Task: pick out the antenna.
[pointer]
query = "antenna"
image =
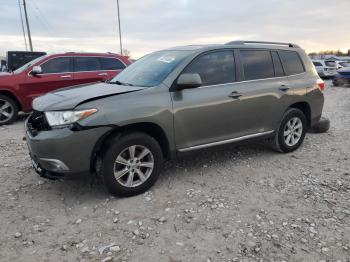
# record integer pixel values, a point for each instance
(22, 25)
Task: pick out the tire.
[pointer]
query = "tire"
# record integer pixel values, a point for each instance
(322, 126)
(131, 183)
(8, 110)
(338, 83)
(281, 143)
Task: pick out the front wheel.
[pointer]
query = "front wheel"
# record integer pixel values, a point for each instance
(8, 110)
(131, 164)
(291, 132)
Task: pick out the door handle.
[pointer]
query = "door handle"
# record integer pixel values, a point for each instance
(102, 74)
(235, 94)
(284, 87)
(66, 76)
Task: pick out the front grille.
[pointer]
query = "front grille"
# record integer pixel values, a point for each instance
(37, 122)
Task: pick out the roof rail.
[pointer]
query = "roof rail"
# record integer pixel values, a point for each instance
(241, 42)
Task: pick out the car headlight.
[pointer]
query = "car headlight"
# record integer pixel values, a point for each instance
(63, 118)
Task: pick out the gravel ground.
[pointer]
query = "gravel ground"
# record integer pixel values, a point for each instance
(243, 203)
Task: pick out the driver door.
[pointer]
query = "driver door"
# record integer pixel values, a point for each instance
(56, 73)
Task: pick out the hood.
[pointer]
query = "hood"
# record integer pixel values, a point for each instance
(70, 97)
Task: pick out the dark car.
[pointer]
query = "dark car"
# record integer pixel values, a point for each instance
(171, 102)
(342, 77)
(50, 72)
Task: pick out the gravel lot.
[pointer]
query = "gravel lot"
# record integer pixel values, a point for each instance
(243, 203)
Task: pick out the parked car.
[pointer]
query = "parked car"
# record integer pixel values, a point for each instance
(341, 64)
(50, 72)
(342, 77)
(325, 68)
(171, 102)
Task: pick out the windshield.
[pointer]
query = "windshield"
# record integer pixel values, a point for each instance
(27, 65)
(151, 69)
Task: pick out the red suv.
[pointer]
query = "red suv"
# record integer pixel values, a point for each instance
(50, 72)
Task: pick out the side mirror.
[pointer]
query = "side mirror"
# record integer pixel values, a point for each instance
(189, 81)
(36, 70)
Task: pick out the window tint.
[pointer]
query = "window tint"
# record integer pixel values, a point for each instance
(214, 68)
(277, 64)
(317, 63)
(257, 64)
(57, 65)
(111, 64)
(87, 64)
(291, 62)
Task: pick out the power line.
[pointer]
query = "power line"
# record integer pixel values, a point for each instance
(22, 25)
(41, 16)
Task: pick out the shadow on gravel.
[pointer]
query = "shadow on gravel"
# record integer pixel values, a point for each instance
(86, 187)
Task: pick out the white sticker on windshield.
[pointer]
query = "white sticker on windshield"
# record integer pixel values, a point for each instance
(166, 59)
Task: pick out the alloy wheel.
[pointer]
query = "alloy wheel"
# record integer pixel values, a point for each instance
(293, 131)
(133, 166)
(6, 111)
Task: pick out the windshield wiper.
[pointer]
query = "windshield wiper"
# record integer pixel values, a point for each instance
(121, 83)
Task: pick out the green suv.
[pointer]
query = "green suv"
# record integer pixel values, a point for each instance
(175, 101)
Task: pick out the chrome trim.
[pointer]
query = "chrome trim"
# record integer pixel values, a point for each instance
(247, 81)
(237, 139)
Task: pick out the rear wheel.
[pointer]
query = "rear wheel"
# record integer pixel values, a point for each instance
(131, 164)
(8, 110)
(291, 132)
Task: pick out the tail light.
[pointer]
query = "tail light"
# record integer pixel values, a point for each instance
(320, 84)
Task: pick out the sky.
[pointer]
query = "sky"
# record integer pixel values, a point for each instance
(150, 25)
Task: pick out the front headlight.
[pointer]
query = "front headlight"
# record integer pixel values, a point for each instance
(63, 118)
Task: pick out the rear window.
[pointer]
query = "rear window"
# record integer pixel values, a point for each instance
(291, 62)
(257, 64)
(87, 64)
(109, 63)
(330, 63)
(317, 63)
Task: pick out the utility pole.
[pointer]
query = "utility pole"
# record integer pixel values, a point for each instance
(120, 32)
(22, 25)
(27, 22)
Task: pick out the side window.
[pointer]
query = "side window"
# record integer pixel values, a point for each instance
(111, 63)
(257, 64)
(57, 65)
(277, 64)
(87, 64)
(214, 68)
(317, 63)
(291, 62)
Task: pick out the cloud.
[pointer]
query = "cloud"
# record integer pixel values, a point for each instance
(149, 25)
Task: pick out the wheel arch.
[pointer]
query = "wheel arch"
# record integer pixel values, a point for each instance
(305, 108)
(152, 129)
(12, 96)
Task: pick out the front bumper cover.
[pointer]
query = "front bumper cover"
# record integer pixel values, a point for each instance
(63, 150)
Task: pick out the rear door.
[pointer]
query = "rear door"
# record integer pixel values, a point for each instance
(112, 66)
(264, 87)
(88, 70)
(56, 73)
